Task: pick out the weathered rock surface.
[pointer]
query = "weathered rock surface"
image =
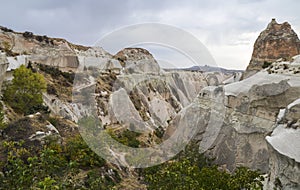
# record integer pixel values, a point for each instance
(285, 149)
(157, 98)
(275, 42)
(137, 60)
(67, 56)
(98, 58)
(3, 67)
(128, 116)
(251, 108)
(40, 49)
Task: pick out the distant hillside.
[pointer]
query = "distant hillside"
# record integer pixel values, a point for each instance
(207, 68)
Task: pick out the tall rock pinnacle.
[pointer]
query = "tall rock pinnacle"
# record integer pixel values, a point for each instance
(275, 42)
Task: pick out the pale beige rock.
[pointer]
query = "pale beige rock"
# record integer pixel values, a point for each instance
(252, 106)
(137, 60)
(3, 67)
(284, 149)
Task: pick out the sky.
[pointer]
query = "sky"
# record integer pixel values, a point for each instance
(228, 29)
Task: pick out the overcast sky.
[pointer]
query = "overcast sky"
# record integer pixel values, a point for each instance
(227, 28)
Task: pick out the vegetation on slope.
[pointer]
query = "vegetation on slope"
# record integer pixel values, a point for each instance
(192, 170)
(55, 166)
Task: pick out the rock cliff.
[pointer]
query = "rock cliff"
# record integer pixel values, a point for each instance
(249, 111)
(40, 49)
(284, 149)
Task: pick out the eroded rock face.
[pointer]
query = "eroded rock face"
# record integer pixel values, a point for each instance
(97, 57)
(252, 106)
(40, 49)
(275, 42)
(128, 115)
(137, 60)
(285, 150)
(154, 100)
(3, 67)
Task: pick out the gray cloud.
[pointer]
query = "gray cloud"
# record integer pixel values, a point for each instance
(228, 26)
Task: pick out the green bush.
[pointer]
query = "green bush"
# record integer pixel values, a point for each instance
(24, 93)
(192, 170)
(126, 137)
(48, 183)
(49, 167)
(95, 181)
(78, 151)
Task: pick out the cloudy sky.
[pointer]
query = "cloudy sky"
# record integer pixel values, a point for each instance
(227, 28)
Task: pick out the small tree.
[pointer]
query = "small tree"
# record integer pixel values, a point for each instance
(24, 93)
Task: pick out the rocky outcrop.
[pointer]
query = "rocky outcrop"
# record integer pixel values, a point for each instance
(285, 149)
(137, 60)
(97, 57)
(275, 42)
(40, 49)
(251, 108)
(150, 100)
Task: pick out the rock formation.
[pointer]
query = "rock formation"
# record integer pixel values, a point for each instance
(40, 49)
(275, 42)
(261, 121)
(285, 150)
(250, 109)
(137, 60)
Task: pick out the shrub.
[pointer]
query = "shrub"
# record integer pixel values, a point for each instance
(56, 73)
(266, 64)
(24, 93)
(28, 34)
(49, 167)
(6, 29)
(159, 132)
(96, 180)
(285, 66)
(51, 89)
(126, 137)
(77, 150)
(192, 170)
